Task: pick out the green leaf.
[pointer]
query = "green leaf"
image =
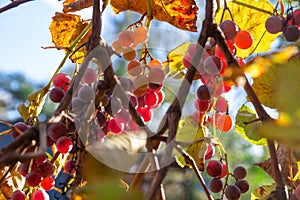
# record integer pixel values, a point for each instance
(175, 58)
(189, 132)
(248, 131)
(286, 128)
(263, 192)
(36, 102)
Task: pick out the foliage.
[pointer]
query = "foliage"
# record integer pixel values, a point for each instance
(100, 131)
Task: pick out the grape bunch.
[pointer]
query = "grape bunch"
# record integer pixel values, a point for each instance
(218, 170)
(61, 82)
(289, 26)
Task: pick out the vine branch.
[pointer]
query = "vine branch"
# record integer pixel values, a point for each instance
(13, 4)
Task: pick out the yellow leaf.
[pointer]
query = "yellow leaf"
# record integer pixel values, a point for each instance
(265, 71)
(64, 29)
(175, 57)
(286, 99)
(35, 105)
(13, 181)
(189, 132)
(180, 13)
(251, 16)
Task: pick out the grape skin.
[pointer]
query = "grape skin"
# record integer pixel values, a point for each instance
(89, 76)
(156, 75)
(243, 185)
(203, 93)
(232, 192)
(215, 185)
(291, 34)
(18, 195)
(214, 168)
(86, 94)
(229, 29)
(239, 172)
(274, 24)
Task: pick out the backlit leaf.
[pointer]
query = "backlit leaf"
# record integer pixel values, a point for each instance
(35, 105)
(65, 28)
(286, 98)
(248, 131)
(265, 71)
(180, 13)
(13, 181)
(175, 57)
(189, 132)
(251, 16)
(263, 192)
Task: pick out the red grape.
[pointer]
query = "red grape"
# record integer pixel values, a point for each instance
(145, 113)
(274, 24)
(215, 185)
(70, 167)
(134, 68)
(56, 130)
(117, 47)
(232, 192)
(198, 117)
(243, 185)
(203, 93)
(210, 151)
(18, 128)
(46, 169)
(221, 105)
(61, 80)
(56, 94)
(224, 170)
(86, 94)
(239, 172)
(101, 117)
(89, 76)
(212, 65)
(140, 34)
(64, 144)
(155, 63)
(47, 183)
(202, 106)
(296, 16)
(229, 29)
(151, 98)
(156, 75)
(129, 53)
(186, 60)
(243, 39)
(291, 33)
(123, 116)
(224, 122)
(115, 126)
(40, 160)
(18, 195)
(214, 168)
(33, 179)
(126, 38)
(40, 195)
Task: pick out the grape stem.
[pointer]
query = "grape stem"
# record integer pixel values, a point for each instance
(192, 162)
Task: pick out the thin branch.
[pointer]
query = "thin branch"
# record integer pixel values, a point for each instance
(13, 4)
(192, 162)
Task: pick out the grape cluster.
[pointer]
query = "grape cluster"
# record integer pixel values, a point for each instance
(289, 26)
(210, 106)
(61, 82)
(218, 170)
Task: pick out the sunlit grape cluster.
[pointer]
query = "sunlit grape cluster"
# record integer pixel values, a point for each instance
(289, 25)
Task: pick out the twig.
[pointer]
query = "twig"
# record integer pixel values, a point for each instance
(13, 4)
(192, 162)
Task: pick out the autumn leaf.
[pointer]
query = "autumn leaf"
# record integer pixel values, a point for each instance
(174, 59)
(248, 131)
(265, 72)
(65, 28)
(251, 16)
(189, 132)
(263, 192)
(286, 98)
(35, 105)
(180, 13)
(13, 181)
